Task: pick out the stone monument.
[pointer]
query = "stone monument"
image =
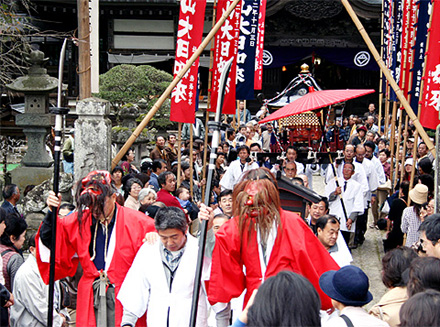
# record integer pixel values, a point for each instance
(92, 137)
(35, 121)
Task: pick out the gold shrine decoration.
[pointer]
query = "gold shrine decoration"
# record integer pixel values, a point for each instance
(308, 119)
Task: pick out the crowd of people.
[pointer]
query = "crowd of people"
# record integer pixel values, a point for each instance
(126, 250)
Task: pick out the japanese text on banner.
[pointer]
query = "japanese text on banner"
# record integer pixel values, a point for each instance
(189, 37)
(225, 48)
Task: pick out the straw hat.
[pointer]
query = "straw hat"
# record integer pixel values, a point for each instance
(419, 194)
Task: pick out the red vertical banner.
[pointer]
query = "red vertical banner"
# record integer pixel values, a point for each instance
(189, 37)
(430, 101)
(258, 78)
(225, 48)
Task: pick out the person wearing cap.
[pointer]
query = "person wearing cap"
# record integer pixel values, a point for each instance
(348, 290)
(360, 137)
(101, 235)
(411, 219)
(68, 148)
(409, 146)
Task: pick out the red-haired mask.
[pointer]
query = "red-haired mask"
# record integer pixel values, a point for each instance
(96, 176)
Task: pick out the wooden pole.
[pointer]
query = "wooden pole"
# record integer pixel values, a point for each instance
(191, 160)
(84, 65)
(179, 155)
(170, 87)
(387, 110)
(389, 77)
(211, 63)
(396, 167)
(405, 139)
(393, 140)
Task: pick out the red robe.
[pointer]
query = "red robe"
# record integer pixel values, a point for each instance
(131, 227)
(296, 249)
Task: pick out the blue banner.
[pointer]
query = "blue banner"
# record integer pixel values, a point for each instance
(386, 40)
(358, 58)
(247, 44)
(397, 48)
(419, 53)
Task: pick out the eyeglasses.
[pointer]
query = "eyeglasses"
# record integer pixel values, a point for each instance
(423, 242)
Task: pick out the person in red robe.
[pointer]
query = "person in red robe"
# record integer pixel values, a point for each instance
(265, 240)
(104, 238)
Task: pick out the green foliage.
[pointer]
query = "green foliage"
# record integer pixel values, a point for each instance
(129, 83)
(161, 120)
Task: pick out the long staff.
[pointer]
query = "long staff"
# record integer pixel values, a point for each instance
(170, 87)
(212, 158)
(56, 174)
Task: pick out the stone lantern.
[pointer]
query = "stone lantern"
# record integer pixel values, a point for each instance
(36, 120)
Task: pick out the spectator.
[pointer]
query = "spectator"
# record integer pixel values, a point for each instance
(117, 174)
(425, 166)
(430, 235)
(147, 196)
(243, 116)
(167, 182)
(395, 236)
(127, 163)
(423, 275)
(171, 150)
(287, 299)
(237, 168)
(6, 297)
(31, 296)
(158, 151)
(198, 130)
(68, 153)
(411, 216)
(224, 203)
(348, 289)
(422, 309)
(158, 167)
(11, 243)
(360, 137)
(132, 189)
(11, 194)
(394, 264)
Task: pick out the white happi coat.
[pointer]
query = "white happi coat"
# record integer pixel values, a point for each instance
(234, 173)
(353, 201)
(359, 175)
(145, 288)
(372, 178)
(379, 170)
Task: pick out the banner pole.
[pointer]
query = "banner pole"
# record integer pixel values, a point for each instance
(170, 87)
(393, 141)
(211, 63)
(179, 155)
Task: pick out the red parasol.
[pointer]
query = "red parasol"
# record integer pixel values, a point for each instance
(315, 100)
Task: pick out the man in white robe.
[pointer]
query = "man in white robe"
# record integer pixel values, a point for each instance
(328, 233)
(161, 279)
(359, 175)
(352, 196)
(237, 168)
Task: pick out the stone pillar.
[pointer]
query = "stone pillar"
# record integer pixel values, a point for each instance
(92, 137)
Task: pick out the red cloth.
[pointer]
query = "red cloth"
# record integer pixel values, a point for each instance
(131, 227)
(168, 199)
(296, 249)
